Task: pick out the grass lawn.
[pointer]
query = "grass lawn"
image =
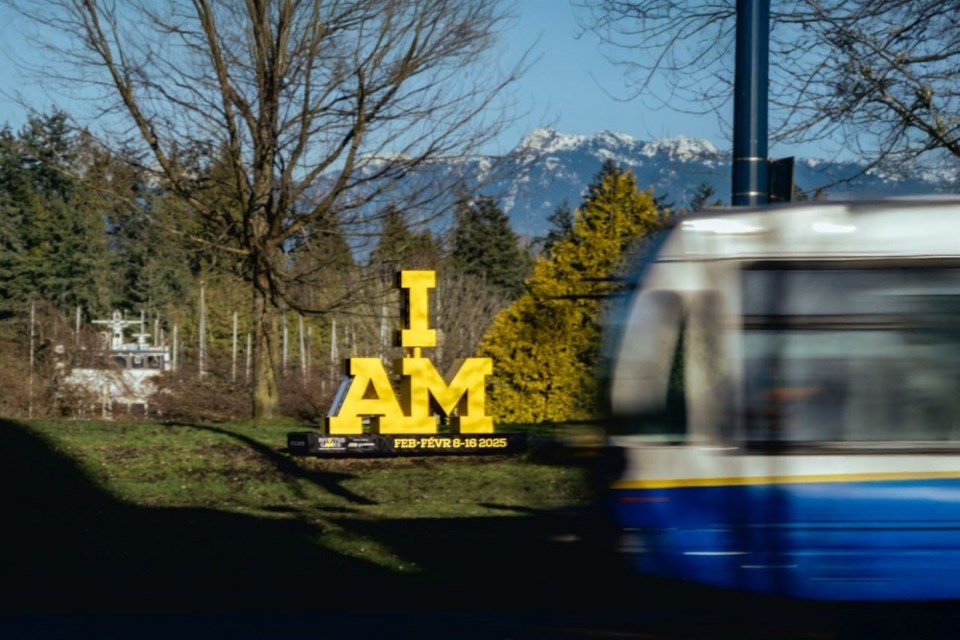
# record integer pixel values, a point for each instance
(203, 530)
(239, 467)
(198, 515)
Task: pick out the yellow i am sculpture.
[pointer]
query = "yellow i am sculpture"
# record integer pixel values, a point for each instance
(368, 391)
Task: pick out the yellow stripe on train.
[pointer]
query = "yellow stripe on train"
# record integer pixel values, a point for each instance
(677, 483)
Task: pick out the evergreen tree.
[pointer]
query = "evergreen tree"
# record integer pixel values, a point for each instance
(51, 227)
(545, 346)
(49, 151)
(393, 244)
(702, 198)
(398, 248)
(561, 225)
(484, 245)
(15, 193)
(11, 256)
(155, 254)
(323, 107)
(322, 262)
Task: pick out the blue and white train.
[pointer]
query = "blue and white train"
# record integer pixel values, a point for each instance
(784, 394)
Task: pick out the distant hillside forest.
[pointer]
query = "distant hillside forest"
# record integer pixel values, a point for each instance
(88, 230)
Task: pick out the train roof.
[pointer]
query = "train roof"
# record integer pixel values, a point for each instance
(894, 227)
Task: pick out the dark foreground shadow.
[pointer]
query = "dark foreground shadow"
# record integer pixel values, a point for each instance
(76, 562)
(67, 546)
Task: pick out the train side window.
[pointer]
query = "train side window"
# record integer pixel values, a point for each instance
(672, 421)
(647, 386)
(853, 355)
(710, 393)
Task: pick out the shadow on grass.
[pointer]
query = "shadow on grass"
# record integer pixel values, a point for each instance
(326, 480)
(70, 547)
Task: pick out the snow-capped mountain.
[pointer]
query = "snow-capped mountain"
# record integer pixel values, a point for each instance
(553, 168)
(548, 168)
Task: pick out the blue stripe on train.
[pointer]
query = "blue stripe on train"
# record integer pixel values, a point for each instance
(871, 540)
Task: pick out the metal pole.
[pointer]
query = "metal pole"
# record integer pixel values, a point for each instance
(334, 354)
(285, 347)
(33, 318)
(203, 332)
(383, 332)
(303, 350)
(249, 355)
(233, 360)
(333, 342)
(751, 81)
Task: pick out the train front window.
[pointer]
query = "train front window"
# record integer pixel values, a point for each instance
(851, 354)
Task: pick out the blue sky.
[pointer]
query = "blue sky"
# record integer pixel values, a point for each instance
(573, 88)
(570, 86)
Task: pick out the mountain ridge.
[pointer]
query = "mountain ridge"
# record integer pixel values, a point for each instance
(548, 168)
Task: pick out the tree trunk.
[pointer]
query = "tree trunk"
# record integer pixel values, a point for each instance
(265, 394)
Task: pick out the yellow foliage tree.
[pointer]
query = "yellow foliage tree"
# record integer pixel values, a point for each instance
(545, 346)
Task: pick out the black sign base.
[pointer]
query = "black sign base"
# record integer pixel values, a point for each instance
(316, 444)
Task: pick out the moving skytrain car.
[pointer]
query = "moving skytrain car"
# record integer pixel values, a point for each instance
(784, 395)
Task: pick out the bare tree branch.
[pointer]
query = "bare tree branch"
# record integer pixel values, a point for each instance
(880, 76)
(311, 109)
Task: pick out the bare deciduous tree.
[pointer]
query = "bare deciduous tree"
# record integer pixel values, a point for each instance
(883, 76)
(309, 109)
